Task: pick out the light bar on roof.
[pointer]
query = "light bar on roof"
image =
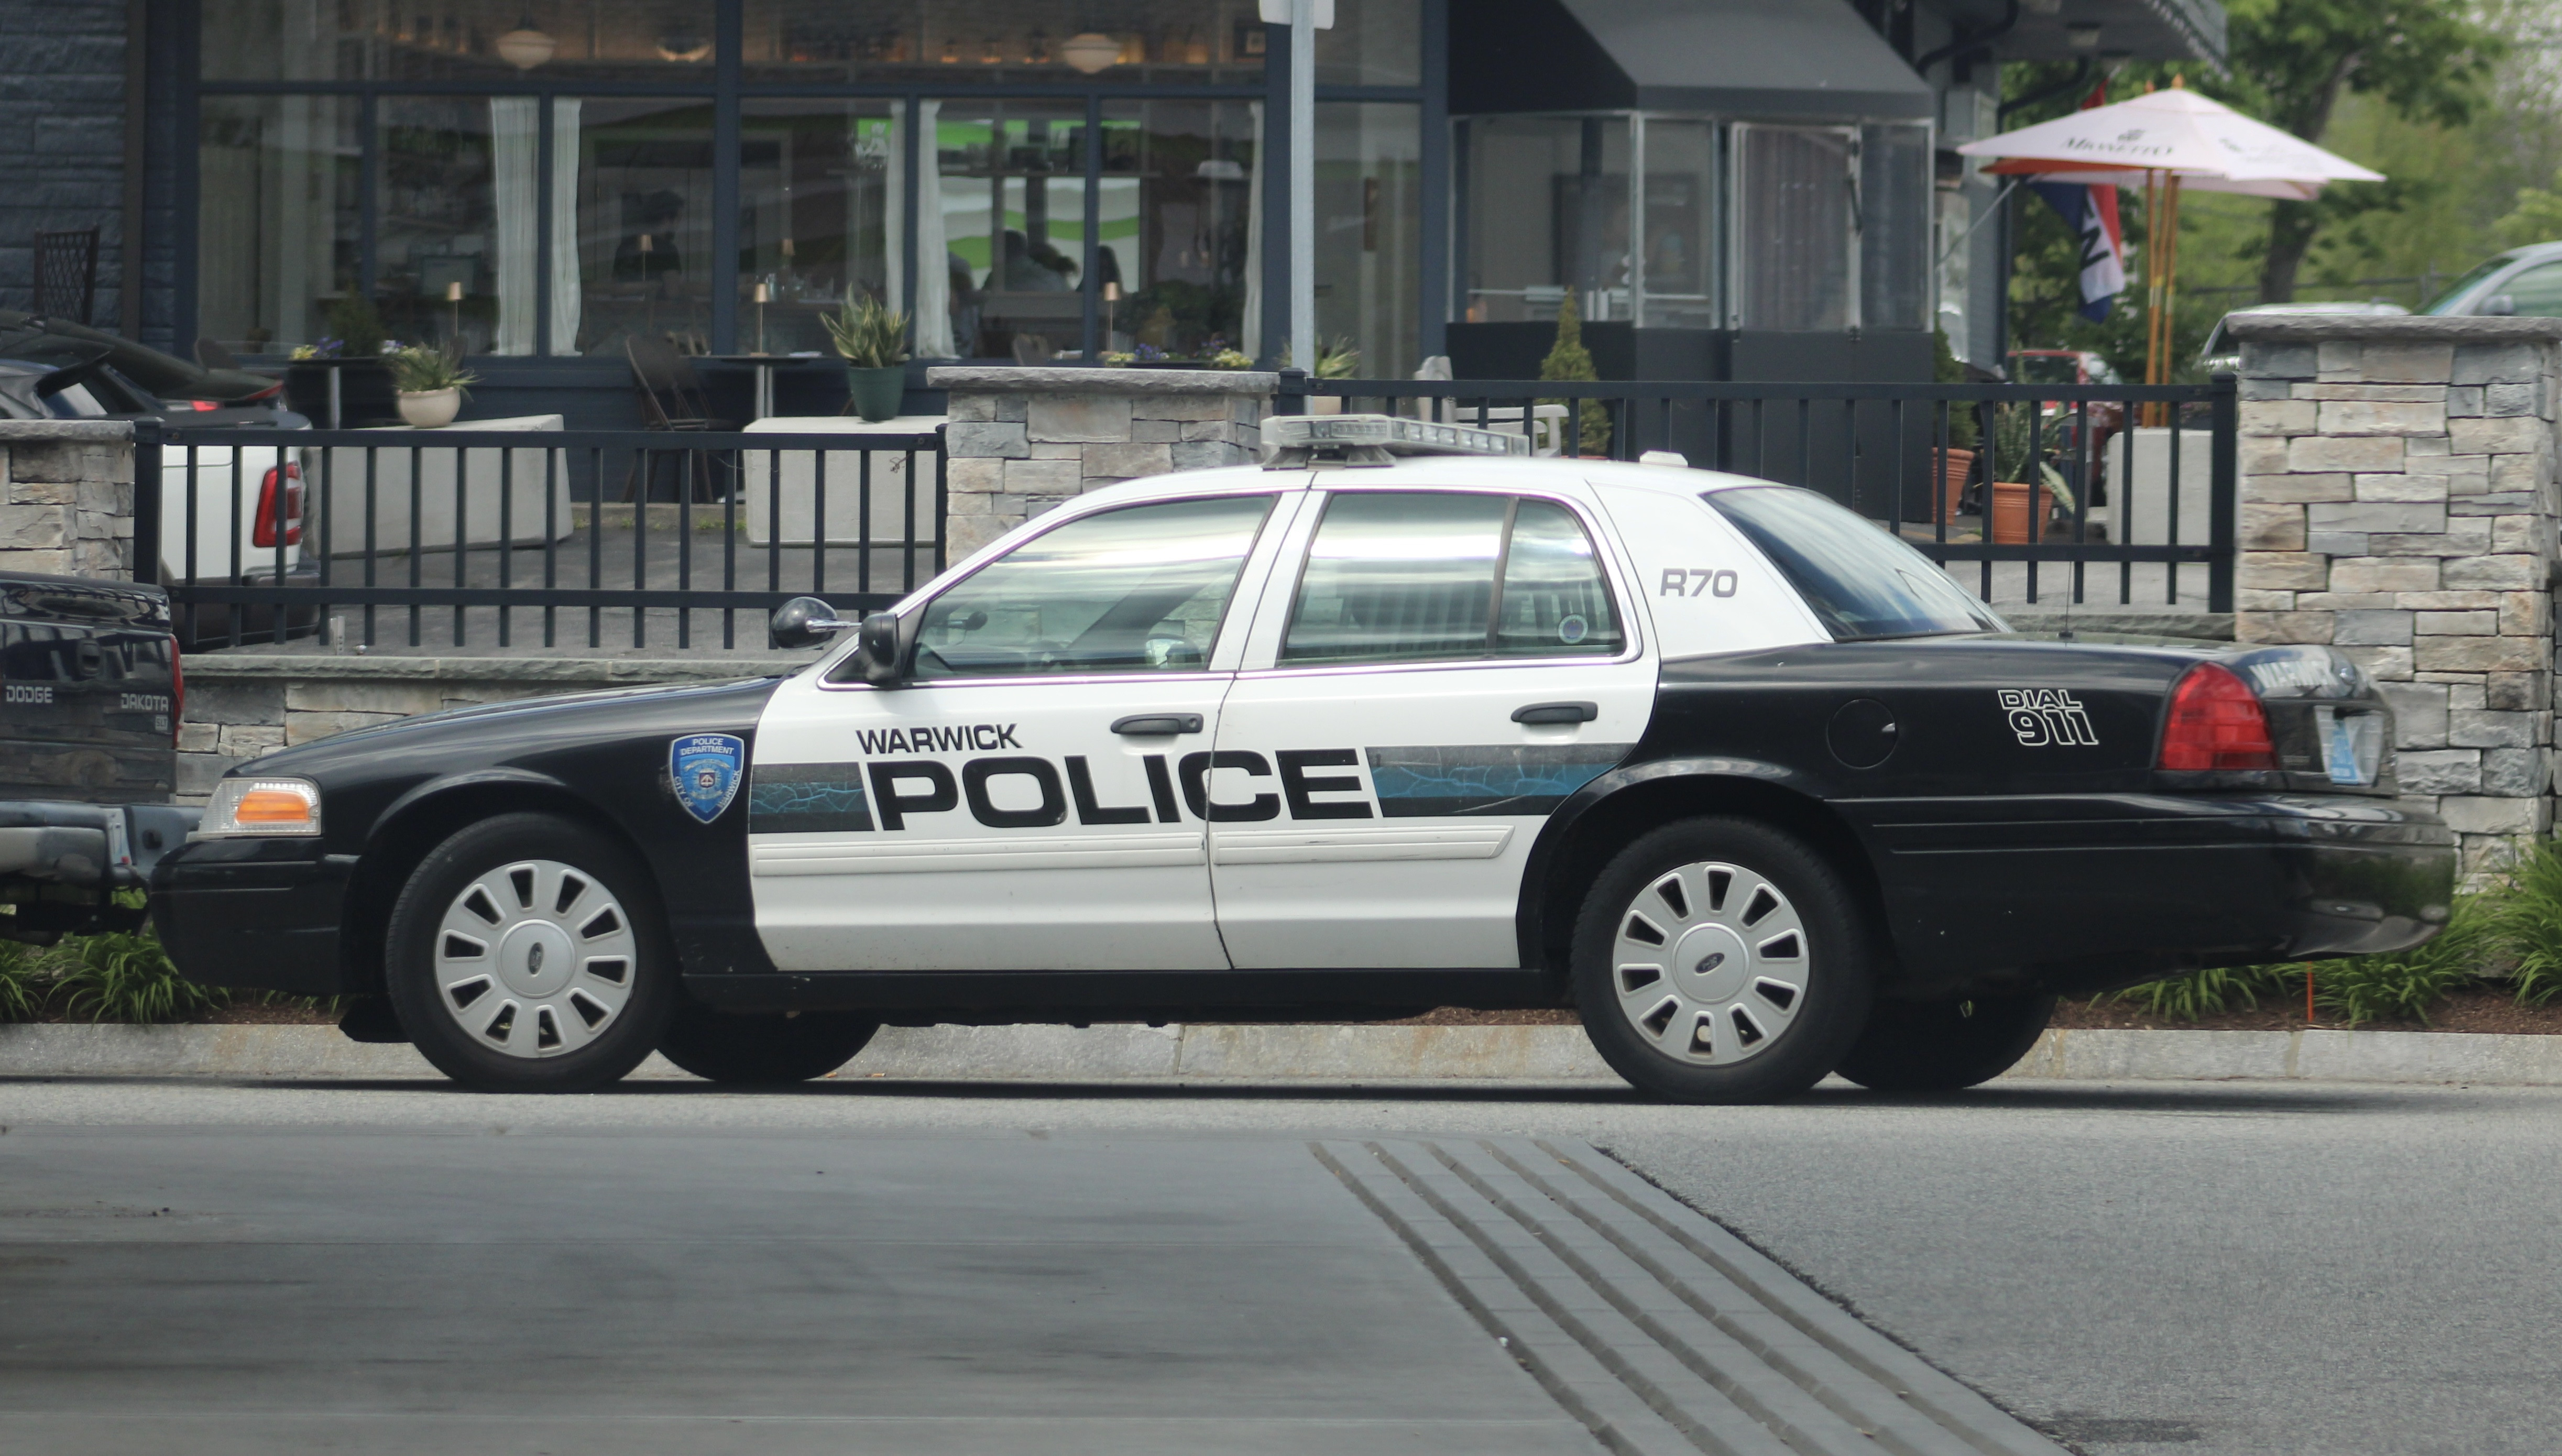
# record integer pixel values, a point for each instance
(1387, 432)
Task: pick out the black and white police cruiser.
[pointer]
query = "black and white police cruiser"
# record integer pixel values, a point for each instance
(1397, 720)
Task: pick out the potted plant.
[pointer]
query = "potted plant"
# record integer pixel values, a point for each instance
(1337, 358)
(2019, 509)
(1569, 360)
(871, 337)
(431, 383)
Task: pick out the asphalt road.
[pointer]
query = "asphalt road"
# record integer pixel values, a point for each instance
(2189, 1269)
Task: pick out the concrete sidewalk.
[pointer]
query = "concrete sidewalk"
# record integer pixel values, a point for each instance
(1316, 1053)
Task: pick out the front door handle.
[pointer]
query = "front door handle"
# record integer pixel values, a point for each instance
(1158, 725)
(1557, 713)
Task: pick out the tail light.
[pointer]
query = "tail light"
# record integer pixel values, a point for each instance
(177, 690)
(2215, 722)
(201, 406)
(263, 532)
(269, 393)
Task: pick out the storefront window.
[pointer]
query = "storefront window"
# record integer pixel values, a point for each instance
(1896, 205)
(1010, 231)
(1546, 210)
(645, 224)
(1794, 189)
(1679, 283)
(1370, 243)
(814, 211)
(920, 42)
(456, 40)
(278, 232)
(1178, 206)
(438, 220)
(1372, 43)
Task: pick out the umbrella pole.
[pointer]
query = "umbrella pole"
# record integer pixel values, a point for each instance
(2153, 287)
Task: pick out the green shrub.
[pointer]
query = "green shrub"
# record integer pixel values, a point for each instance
(2201, 993)
(2404, 985)
(1568, 361)
(125, 977)
(24, 983)
(2530, 924)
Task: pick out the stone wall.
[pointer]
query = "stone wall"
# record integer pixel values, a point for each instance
(242, 705)
(67, 497)
(2398, 501)
(1021, 441)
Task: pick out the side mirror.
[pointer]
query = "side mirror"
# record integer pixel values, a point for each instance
(2497, 306)
(802, 621)
(883, 653)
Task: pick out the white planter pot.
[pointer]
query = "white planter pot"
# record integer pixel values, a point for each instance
(431, 409)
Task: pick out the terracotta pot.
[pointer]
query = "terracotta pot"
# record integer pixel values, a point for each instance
(2012, 513)
(431, 409)
(1956, 473)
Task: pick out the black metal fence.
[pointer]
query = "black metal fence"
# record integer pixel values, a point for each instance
(2109, 512)
(466, 537)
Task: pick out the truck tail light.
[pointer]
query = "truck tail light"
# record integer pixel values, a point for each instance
(262, 531)
(2215, 722)
(177, 690)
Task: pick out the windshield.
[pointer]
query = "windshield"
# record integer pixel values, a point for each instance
(2446, 301)
(1861, 582)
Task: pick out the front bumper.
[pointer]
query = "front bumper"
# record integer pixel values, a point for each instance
(258, 914)
(2086, 893)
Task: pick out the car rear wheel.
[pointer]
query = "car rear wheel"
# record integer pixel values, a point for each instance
(1721, 960)
(762, 1051)
(519, 959)
(1942, 1045)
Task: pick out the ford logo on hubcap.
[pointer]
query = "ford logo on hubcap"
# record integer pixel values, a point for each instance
(534, 959)
(1715, 959)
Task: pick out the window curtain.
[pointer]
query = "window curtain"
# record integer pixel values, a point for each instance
(1252, 329)
(930, 299)
(515, 139)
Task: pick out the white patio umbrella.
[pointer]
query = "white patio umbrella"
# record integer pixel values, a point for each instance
(2167, 140)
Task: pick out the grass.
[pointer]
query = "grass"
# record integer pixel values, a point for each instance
(111, 978)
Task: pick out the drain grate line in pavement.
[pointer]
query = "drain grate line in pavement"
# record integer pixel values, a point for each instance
(1811, 1408)
(1776, 1300)
(1579, 1383)
(1596, 1278)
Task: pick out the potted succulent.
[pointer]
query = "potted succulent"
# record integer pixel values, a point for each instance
(871, 337)
(2018, 510)
(430, 382)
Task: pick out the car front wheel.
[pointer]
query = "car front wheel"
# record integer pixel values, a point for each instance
(1721, 960)
(522, 957)
(1942, 1045)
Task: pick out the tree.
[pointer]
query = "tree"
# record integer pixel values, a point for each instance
(2294, 60)
(1568, 361)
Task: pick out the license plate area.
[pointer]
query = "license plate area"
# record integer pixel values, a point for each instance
(2353, 745)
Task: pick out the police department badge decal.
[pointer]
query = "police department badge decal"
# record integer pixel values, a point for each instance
(706, 769)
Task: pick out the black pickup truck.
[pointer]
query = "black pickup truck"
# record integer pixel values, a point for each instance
(90, 691)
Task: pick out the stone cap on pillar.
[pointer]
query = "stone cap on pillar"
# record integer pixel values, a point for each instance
(2312, 328)
(1033, 379)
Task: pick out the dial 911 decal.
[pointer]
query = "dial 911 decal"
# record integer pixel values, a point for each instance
(2046, 717)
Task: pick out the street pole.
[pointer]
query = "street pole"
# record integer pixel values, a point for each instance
(1302, 185)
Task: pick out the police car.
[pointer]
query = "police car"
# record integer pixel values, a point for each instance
(1398, 720)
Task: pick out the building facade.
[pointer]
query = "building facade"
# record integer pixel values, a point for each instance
(1749, 189)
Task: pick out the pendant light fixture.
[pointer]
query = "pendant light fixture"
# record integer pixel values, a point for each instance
(1090, 53)
(525, 47)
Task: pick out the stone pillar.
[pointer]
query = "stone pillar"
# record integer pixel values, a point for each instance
(1022, 439)
(2398, 501)
(67, 504)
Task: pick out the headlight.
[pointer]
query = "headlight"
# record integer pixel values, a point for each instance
(262, 806)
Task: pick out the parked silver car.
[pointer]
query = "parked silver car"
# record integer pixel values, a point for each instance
(2524, 283)
(2222, 356)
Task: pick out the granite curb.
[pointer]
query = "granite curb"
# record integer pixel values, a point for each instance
(1246, 1053)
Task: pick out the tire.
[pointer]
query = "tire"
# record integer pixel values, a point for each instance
(503, 953)
(1722, 961)
(1940, 1046)
(764, 1050)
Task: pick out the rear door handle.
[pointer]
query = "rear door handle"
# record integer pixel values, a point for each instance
(1158, 725)
(1557, 713)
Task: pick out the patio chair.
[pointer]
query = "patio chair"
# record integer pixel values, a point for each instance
(671, 398)
(67, 274)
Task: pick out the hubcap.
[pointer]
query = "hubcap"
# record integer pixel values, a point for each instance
(534, 959)
(1710, 963)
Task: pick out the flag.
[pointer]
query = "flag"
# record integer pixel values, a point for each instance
(2092, 214)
